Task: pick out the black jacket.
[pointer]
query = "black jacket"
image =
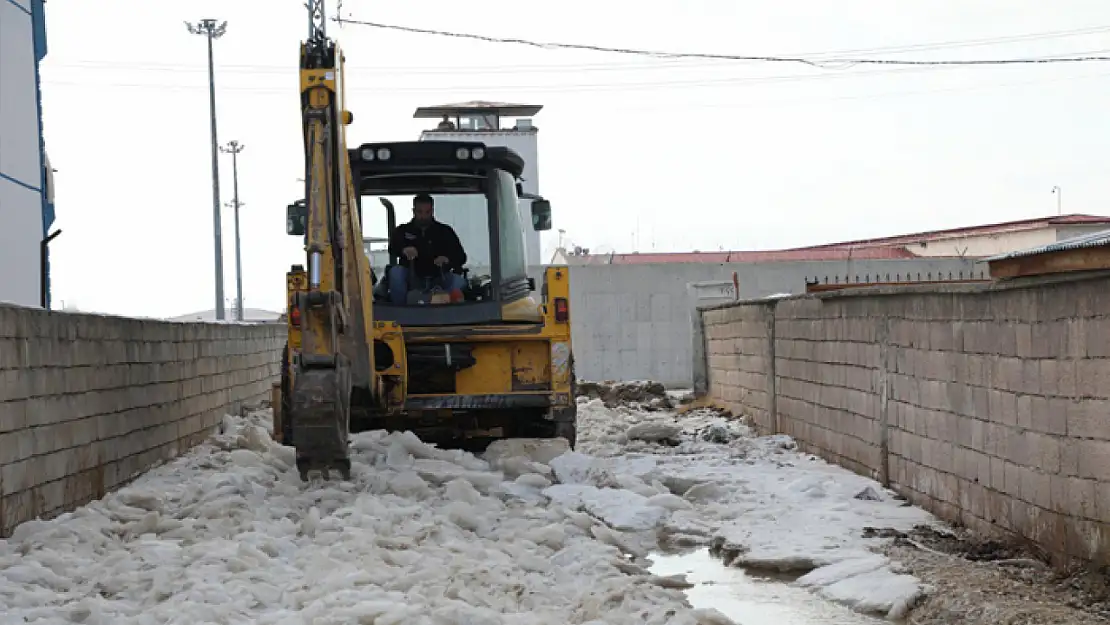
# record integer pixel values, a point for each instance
(434, 240)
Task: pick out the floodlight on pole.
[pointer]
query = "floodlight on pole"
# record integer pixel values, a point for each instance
(211, 31)
(234, 148)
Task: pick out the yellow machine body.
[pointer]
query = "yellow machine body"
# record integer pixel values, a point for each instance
(519, 370)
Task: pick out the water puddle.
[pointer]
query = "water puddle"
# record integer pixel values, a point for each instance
(751, 600)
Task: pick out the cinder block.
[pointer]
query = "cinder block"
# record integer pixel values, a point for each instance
(1102, 501)
(1036, 487)
(1003, 407)
(16, 477)
(16, 445)
(982, 463)
(1026, 519)
(1049, 340)
(1088, 418)
(1075, 497)
(1094, 459)
(1092, 378)
(1050, 415)
(1069, 457)
(1044, 451)
(998, 509)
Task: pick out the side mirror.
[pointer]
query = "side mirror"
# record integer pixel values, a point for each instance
(296, 218)
(386, 203)
(541, 215)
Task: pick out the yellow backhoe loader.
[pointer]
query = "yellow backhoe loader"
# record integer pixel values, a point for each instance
(492, 363)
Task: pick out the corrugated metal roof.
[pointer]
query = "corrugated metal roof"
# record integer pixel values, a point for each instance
(1091, 239)
(985, 229)
(766, 256)
(884, 248)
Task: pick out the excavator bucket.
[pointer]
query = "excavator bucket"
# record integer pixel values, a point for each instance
(321, 400)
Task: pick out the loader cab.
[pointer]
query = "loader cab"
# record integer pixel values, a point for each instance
(476, 190)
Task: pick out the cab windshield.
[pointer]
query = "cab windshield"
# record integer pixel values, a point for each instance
(487, 221)
(467, 214)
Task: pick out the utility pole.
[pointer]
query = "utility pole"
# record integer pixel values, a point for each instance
(1059, 193)
(211, 31)
(234, 148)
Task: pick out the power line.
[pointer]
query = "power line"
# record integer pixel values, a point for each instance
(504, 70)
(386, 90)
(590, 87)
(650, 63)
(609, 85)
(824, 63)
(661, 64)
(638, 85)
(965, 43)
(390, 92)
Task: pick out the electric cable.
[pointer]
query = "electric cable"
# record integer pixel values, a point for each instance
(813, 61)
(651, 64)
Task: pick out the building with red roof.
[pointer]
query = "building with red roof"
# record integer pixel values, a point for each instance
(966, 242)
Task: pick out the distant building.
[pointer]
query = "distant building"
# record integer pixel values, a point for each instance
(1088, 252)
(26, 181)
(971, 242)
(985, 240)
(250, 315)
(494, 124)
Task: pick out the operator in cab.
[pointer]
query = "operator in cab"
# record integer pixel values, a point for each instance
(429, 247)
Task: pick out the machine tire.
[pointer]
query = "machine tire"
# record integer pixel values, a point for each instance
(568, 430)
(573, 381)
(566, 423)
(286, 400)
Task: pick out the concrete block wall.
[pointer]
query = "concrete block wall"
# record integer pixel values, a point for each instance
(989, 406)
(89, 402)
(740, 361)
(827, 362)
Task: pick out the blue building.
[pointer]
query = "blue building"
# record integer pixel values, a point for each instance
(26, 183)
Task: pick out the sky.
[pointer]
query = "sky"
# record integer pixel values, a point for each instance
(636, 153)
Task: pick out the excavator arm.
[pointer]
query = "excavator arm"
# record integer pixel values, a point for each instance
(334, 309)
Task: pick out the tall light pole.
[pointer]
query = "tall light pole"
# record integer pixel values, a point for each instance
(234, 148)
(211, 30)
(1059, 193)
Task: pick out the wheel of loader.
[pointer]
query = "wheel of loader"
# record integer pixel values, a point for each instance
(286, 406)
(567, 430)
(563, 424)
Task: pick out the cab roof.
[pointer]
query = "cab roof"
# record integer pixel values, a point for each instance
(434, 156)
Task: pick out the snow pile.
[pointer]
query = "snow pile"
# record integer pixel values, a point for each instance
(420, 536)
(868, 584)
(756, 501)
(530, 533)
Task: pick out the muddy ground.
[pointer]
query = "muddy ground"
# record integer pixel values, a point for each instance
(972, 580)
(648, 396)
(985, 582)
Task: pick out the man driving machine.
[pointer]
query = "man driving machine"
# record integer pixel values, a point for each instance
(429, 247)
